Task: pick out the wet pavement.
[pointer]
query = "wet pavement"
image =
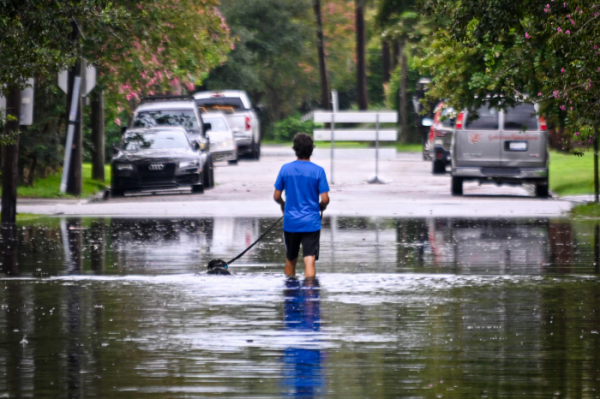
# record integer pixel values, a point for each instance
(246, 190)
(420, 308)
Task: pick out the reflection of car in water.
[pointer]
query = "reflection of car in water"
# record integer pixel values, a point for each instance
(491, 245)
(303, 363)
(232, 235)
(158, 245)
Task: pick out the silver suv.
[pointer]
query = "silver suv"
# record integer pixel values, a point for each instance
(500, 147)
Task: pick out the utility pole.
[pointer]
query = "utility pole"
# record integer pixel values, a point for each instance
(10, 157)
(97, 105)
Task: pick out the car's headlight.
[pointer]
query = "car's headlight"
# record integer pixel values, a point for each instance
(125, 166)
(188, 164)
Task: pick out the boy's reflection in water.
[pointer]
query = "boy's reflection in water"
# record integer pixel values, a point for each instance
(303, 370)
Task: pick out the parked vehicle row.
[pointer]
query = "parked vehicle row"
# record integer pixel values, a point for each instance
(502, 147)
(174, 141)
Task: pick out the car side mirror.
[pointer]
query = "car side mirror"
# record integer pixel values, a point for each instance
(195, 145)
(115, 149)
(427, 122)
(260, 108)
(207, 126)
(123, 129)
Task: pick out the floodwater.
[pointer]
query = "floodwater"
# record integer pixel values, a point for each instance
(411, 308)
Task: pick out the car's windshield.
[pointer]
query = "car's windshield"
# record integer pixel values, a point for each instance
(217, 124)
(522, 117)
(225, 104)
(155, 140)
(184, 117)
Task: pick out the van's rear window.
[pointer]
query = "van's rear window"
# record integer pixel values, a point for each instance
(487, 120)
(220, 104)
(521, 117)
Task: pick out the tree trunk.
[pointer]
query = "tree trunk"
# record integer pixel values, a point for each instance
(403, 96)
(395, 54)
(361, 62)
(97, 105)
(325, 99)
(10, 157)
(385, 58)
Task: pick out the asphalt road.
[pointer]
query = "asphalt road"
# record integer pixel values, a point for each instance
(246, 189)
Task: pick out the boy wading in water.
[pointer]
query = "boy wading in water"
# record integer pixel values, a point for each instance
(303, 183)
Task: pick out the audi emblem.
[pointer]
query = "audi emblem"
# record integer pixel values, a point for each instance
(156, 166)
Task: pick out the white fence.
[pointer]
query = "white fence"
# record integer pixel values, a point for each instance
(376, 135)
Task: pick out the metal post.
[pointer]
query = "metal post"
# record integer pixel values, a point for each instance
(377, 146)
(376, 179)
(332, 140)
(334, 109)
(70, 133)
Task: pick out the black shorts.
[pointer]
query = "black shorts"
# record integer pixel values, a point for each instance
(309, 241)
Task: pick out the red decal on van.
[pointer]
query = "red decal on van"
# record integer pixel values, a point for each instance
(474, 138)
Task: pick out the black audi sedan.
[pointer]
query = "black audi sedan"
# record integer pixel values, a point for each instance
(157, 159)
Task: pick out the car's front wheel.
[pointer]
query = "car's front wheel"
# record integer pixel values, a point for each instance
(197, 189)
(208, 175)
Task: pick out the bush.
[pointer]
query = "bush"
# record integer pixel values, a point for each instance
(286, 129)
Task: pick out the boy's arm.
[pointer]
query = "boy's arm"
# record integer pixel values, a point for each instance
(277, 197)
(324, 201)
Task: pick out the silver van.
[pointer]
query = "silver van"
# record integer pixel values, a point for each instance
(500, 147)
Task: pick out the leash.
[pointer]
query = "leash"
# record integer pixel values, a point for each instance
(254, 243)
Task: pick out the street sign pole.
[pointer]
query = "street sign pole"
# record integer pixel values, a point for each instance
(70, 133)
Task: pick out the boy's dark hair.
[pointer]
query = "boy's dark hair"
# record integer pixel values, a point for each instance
(303, 145)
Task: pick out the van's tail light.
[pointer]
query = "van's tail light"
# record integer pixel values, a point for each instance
(542, 124)
(248, 123)
(431, 134)
(459, 120)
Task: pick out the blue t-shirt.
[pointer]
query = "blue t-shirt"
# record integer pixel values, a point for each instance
(303, 182)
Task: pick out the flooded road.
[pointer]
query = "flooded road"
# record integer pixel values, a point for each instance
(417, 308)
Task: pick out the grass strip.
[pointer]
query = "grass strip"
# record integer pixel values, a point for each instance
(49, 187)
(571, 175)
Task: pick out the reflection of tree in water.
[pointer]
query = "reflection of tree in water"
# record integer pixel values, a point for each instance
(303, 369)
(187, 119)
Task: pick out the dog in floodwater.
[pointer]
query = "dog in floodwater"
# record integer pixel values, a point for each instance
(218, 267)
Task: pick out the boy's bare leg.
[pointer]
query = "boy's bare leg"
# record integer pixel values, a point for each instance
(290, 267)
(309, 266)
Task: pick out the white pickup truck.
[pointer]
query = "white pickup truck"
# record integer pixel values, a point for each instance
(240, 115)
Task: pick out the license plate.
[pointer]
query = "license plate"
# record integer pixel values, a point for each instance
(517, 146)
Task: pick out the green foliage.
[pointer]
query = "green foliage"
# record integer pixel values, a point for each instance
(41, 145)
(286, 129)
(270, 57)
(166, 45)
(36, 35)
